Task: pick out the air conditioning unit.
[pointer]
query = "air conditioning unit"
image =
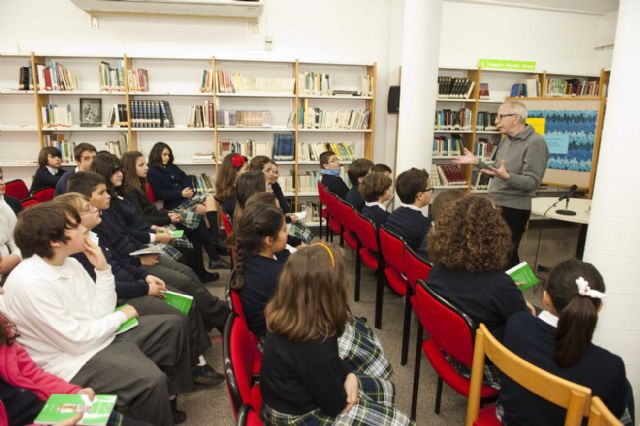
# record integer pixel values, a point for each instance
(240, 9)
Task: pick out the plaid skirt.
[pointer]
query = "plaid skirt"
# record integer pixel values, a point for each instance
(374, 408)
(491, 376)
(362, 349)
(187, 210)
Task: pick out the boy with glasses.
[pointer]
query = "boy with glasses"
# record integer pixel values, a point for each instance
(330, 170)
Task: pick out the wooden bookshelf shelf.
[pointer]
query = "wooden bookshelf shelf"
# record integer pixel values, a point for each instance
(173, 129)
(24, 128)
(557, 98)
(452, 131)
(488, 132)
(84, 129)
(308, 194)
(15, 92)
(335, 97)
(254, 129)
(179, 94)
(256, 95)
(455, 100)
(79, 93)
(336, 130)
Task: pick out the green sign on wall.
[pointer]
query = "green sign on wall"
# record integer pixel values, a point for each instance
(506, 64)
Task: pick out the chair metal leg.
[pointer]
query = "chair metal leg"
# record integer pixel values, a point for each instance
(320, 220)
(356, 287)
(379, 297)
(406, 328)
(438, 395)
(416, 373)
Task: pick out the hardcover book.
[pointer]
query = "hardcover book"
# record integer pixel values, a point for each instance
(522, 273)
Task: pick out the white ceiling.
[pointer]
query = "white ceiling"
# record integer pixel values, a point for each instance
(576, 6)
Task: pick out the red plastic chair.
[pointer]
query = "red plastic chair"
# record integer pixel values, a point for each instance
(347, 213)
(228, 230)
(17, 188)
(29, 202)
(150, 194)
(369, 255)
(46, 194)
(241, 360)
(324, 214)
(248, 417)
(416, 269)
(449, 330)
(335, 225)
(392, 247)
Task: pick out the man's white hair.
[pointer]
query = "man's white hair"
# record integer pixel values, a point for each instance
(517, 108)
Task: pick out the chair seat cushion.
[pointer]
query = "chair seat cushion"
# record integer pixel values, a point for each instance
(395, 280)
(350, 240)
(256, 398)
(448, 374)
(369, 258)
(487, 417)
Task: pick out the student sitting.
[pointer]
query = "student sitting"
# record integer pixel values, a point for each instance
(83, 153)
(232, 166)
(67, 321)
(407, 221)
(248, 184)
(143, 291)
(49, 170)
(9, 252)
(357, 171)
(382, 168)
(330, 170)
(303, 379)
(376, 190)
(559, 341)
(92, 185)
(12, 202)
(442, 201)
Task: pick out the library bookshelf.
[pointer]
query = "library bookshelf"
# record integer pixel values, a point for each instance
(185, 83)
(475, 133)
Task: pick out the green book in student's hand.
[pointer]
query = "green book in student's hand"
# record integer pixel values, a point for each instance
(178, 233)
(181, 302)
(128, 324)
(60, 407)
(522, 273)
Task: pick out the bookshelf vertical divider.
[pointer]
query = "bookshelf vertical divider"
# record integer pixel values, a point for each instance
(470, 143)
(371, 106)
(604, 82)
(216, 146)
(296, 143)
(132, 136)
(39, 99)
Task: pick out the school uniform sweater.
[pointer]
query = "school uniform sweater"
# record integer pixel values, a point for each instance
(376, 212)
(410, 224)
(335, 184)
(168, 183)
(45, 179)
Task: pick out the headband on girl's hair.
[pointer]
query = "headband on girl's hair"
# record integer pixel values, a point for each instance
(333, 264)
(237, 160)
(585, 290)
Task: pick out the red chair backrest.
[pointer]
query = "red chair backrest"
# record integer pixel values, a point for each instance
(392, 247)
(347, 213)
(240, 356)
(367, 233)
(150, 194)
(416, 267)
(248, 417)
(322, 193)
(29, 202)
(17, 188)
(449, 328)
(43, 195)
(333, 208)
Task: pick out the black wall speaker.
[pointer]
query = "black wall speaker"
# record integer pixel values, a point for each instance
(393, 100)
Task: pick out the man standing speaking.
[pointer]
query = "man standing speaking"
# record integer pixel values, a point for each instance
(518, 166)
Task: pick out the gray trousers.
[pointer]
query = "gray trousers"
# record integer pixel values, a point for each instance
(199, 340)
(143, 366)
(212, 310)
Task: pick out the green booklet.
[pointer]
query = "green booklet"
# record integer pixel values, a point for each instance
(127, 325)
(181, 302)
(61, 407)
(178, 233)
(522, 273)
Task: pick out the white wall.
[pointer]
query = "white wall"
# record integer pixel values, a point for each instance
(330, 30)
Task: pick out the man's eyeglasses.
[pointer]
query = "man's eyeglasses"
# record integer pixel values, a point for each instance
(501, 116)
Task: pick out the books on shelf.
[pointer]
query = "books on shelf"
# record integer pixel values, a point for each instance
(455, 87)
(487, 121)
(151, 114)
(572, 87)
(348, 119)
(286, 181)
(308, 180)
(529, 88)
(233, 118)
(479, 181)
(61, 407)
(111, 78)
(320, 84)
(312, 212)
(484, 91)
(228, 82)
(66, 148)
(117, 147)
(55, 77)
(201, 115)
(485, 149)
(118, 116)
(447, 175)
(447, 146)
(202, 183)
(54, 115)
(25, 79)
(281, 148)
(206, 83)
(312, 151)
(203, 157)
(447, 119)
(138, 80)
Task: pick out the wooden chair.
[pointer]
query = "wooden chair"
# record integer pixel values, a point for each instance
(573, 397)
(599, 414)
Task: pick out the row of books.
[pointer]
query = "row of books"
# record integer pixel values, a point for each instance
(485, 148)
(312, 211)
(349, 119)
(25, 79)
(572, 87)
(281, 148)
(455, 87)
(201, 115)
(447, 119)
(65, 147)
(230, 118)
(447, 175)
(118, 116)
(479, 180)
(206, 82)
(484, 91)
(228, 82)
(151, 114)
(138, 80)
(54, 115)
(486, 121)
(111, 78)
(117, 147)
(55, 77)
(308, 181)
(202, 183)
(312, 151)
(528, 88)
(320, 84)
(447, 146)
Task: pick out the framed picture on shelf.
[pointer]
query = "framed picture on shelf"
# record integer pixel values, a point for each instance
(90, 112)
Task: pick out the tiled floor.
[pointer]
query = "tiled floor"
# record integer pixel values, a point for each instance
(212, 407)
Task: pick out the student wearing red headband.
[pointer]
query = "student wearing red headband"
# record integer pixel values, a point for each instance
(233, 165)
